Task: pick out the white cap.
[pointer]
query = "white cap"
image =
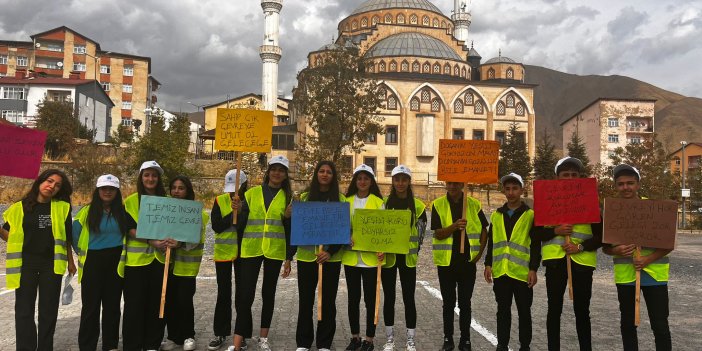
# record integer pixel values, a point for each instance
(230, 185)
(151, 164)
(401, 169)
(107, 180)
(364, 167)
(281, 160)
(514, 176)
(569, 159)
(625, 167)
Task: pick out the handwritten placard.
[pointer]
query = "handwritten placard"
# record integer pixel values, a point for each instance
(381, 230)
(166, 217)
(566, 201)
(320, 223)
(648, 223)
(468, 161)
(21, 150)
(244, 130)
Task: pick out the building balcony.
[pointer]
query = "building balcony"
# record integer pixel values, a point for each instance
(50, 71)
(49, 53)
(642, 130)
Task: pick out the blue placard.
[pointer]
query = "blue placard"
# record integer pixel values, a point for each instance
(320, 223)
(166, 217)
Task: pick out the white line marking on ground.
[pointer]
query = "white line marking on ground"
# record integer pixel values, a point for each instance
(3, 291)
(473, 323)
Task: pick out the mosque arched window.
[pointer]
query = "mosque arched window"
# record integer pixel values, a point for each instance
(510, 100)
(469, 98)
(426, 96)
(478, 108)
(415, 66)
(443, 24)
(463, 72)
(425, 21)
(371, 67)
(392, 103)
(510, 73)
(346, 27)
(456, 71)
(381, 66)
(413, 19)
(405, 66)
(375, 20)
(436, 22)
(447, 69)
(426, 68)
(500, 110)
(458, 106)
(414, 104)
(401, 19)
(491, 73)
(354, 25)
(436, 105)
(364, 22)
(393, 66)
(388, 18)
(437, 68)
(519, 110)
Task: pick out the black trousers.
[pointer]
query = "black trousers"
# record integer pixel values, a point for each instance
(408, 281)
(307, 276)
(141, 327)
(100, 286)
(505, 288)
(657, 314)
(222, 325)
(250, 268)
(39, 277)
(459, 274)
(355, 278)
(179, 311)
(556, 284)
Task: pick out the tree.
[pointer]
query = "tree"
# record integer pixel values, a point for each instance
(122, 135)
(339, 105)
(514, 156)
(545, 158)
(694, 183)
(576, 149)
(58, 119)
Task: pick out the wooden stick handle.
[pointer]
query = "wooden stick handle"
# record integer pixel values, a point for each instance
(637, 307)
(463, 216)
(165, 282)
(570, 271)
(377, 292)
(238, 172)
(319, 287)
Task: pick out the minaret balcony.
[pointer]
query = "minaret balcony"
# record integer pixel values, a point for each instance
(271, 52)
(462, 17)
(272, 5)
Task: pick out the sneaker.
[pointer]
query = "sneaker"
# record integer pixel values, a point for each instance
(448, 344)
(263, 344)
(168, 345)
(302, 349)
(410, 345)
(189, 344)
(367, 346)
(389, 346)
(464, 345)
(323, 350)
(216, 343)
(244, 346)
(354, 345)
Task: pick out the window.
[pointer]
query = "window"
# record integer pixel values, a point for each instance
(478, 108)
(3, 59)
(463, 72)
(13, 93)
(413, 19)
(469, 98)
(54, 47)
(491, 73)
(79, 49)
(283, 142)
(405, 66)
(127, 88)
(635, 140)
(105, 86)
(443, 24)
(401, 19)
(390, 135)
(390, 163)
(500, 136)
(436, 23)
(381, 67)
(414, 104)
(415, 67)
(519, 111)
(425, 21)
(79, 66)
(126, 105)
(426, 97)
(435, 105)
(105, 69)
(388, 18)
(613, 122)
(437, 69)
(458, 106)
(677, 160)
(364, 22)
(371, 138)
(13, 116)
(370, 162)
(458, 134)
(128, 70)
(427, 68)
(375, 20)
(126, 122)
(354, 25)
(500, 108)
(510, 73)
(456, 71)
(613, 138)
(510, 100)
(393, 66)
(392, 103)
(22, 61)
(447, 69)
(478, 134)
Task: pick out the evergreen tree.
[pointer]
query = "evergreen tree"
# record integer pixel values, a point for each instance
(576, 149)
(545, 158)
(514, 156)
(58, 119)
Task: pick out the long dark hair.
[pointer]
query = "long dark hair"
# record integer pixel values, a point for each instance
(353, 189)
(333, 186)
(116, 211)
(160, 191)
(286, 187)
(396, 202)
(189, 191)
(64, 194)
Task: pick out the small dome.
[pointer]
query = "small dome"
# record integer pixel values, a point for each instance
(374, 5)
(500, 59)
(332, 46)
(413, 44)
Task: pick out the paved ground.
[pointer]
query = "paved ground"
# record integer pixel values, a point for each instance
(684, 291)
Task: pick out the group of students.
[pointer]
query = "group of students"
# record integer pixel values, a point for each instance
(113, 261)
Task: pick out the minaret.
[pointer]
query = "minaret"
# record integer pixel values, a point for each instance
(270, 53)
(461, 21)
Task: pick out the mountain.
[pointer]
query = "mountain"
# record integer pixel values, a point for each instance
(559, 96)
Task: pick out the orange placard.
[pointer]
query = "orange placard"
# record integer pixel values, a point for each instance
(468, 161)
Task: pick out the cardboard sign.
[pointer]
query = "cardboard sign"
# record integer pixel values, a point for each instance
(647, 223)
(566, 201)
(381, 230)
(165, 217)
(468, 161)
(21, 150)
(320, 223)
(244, 130)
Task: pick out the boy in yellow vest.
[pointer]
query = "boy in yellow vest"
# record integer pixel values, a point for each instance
(511, 261)
(654, 267)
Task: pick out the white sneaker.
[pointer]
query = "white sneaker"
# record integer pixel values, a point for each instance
(230, 348)
(189, 345)
(302, 349)
(389, 346)
(263, 344)
(168, 345)
(324, 350)
(410, 345)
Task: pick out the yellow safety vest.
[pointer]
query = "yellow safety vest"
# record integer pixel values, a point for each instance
(442, 248)
(84, 241)
(624, 271)
(186, 263)
(411, 257)
(264, 233)
(308, 253)
(226, 246)
(552, 249)
(138, 252)
(511, 256)
(15, 216)
(350, 256)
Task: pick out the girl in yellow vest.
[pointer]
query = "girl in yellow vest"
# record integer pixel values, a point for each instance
(226, 250)
(324, 187)
(38, 234)
(360, 266)
(98, 238)
(143, 274)
(654, 266)
(511, 262)
(184, 266)
(264, 216)
(402, 198)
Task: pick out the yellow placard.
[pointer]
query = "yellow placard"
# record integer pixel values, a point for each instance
(244, 130)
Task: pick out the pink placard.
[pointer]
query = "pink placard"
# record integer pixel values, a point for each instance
(21, 150)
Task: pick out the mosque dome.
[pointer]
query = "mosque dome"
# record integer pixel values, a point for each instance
(412, 44)
(374, 5)
(500, 59)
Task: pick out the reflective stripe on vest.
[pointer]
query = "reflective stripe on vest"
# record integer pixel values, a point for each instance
(552, 249)
(411, 257)
(264, 233)
(307, 253)
(441, 249)
(138, 251)
(226, 245)
(187, 263)
(624, 271)
(15, 216)
(350, 257)
(511, 257)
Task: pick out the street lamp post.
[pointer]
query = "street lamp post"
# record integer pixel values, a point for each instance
(684, 193)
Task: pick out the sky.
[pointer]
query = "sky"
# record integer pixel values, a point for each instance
(204, 50)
